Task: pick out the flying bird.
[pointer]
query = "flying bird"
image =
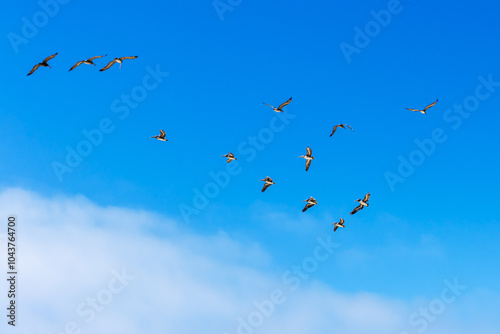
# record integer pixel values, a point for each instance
(310, 203)
(362, 203)
(43, 63)
(340, 126)
(423, 110)
(308, 158)
(268, 182)
(230, 157)
(339, 224)
(116, 60)
(161, 136)
(279, 109)
(88, 62)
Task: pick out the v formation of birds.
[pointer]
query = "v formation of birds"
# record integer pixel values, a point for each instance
(311, 201)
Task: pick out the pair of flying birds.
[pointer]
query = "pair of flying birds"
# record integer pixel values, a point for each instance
(280, 109)
(89, 61)
(362, 203)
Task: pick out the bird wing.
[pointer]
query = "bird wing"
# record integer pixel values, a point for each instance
(49, 58)
(269, 105)
(335, 228)
(90, 59)
(367, 197)
(34, 69)
(269, 179)
(419, 110)
(230, 155)
(308, 205)
(267, 185)
(349, 127)
(308, 163)
(341, 221)
(76, 65)
(285, 103)
(430, 105)
(108, 66)
(162, 134)
(132, 57)
(356, 209)
(309, 151)
(334, 129)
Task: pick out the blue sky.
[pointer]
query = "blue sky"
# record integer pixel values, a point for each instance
(201, 75)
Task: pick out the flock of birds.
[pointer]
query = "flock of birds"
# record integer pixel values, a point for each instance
(311, 201)
(90, 61)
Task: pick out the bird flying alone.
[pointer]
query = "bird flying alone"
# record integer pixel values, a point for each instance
(161, 136)
(343, 126)
(88, 62)
(310, 203)
(43, 63)
(279, 109)
(362, 204)
(268, 182)
(308, 158)
(339, 224)
(423, 110)
(116, 60)
(230, 157)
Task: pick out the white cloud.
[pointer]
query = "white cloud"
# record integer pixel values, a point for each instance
(71, 252)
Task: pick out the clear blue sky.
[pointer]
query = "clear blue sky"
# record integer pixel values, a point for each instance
(440, 223)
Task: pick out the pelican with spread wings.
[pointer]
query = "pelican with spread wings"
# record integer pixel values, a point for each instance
(268, 182)
(230, 157)
(161, 136)
(423, 110)
(43, 63)
(88, 62)
(343, 126)
(116, 60)
(279, 109)
(310, 203)
(362, 203)
(339, 224)
(308, 158)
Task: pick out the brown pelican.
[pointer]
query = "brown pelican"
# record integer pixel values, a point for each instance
(230, 157)
(339, 224)
(362, 203)
(310, 203)
(308, 158)
(43, 63)
(116, 60)
(161, 136)
(268, 182)
(88, 62)
(340, 126)
(423, 110)
(279, 109)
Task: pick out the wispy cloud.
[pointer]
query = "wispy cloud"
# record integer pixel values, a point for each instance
(116, 270)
